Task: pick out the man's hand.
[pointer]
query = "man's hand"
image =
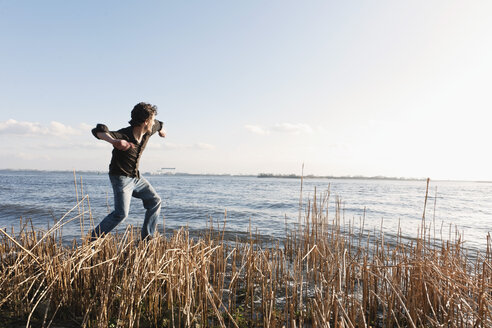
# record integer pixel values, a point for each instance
(162, 133)
(122, 144)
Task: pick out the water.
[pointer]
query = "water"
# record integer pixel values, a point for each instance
(268, 203)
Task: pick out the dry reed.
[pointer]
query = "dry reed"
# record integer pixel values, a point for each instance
(322, 274)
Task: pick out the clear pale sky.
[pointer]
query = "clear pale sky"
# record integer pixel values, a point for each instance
(394, 88)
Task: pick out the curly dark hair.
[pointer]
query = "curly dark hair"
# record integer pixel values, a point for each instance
(141, 112)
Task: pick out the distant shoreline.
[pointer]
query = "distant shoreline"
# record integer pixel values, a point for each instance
(259, 175)
(356, 177)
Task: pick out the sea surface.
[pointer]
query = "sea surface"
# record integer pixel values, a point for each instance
(269, 205)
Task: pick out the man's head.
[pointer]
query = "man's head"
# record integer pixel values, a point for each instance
(141, 113)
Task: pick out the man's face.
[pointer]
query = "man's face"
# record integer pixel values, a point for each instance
(150, 124)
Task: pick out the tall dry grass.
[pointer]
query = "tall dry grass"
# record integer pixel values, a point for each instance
(322, 274)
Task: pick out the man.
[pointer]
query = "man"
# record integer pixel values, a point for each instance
(129, 143)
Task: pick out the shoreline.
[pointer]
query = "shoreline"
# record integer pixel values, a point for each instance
(259, 175)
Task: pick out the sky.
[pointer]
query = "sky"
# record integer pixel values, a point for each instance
(391, 88)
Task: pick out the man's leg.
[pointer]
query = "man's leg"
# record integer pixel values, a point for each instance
(122, 190)
(152, 204)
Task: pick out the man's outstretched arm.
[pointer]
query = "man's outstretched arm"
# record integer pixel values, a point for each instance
(159, 127)
(117, 143)
(102, 132)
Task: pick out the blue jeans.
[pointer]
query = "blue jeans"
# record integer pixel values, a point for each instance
(124, 188)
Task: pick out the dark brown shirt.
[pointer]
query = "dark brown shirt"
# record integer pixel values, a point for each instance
(126, 162)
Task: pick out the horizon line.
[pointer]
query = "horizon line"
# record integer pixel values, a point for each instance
(259, 175)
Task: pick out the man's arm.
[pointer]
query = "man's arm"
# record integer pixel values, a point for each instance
(117, 143)
(159, 127)
(102, 132)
